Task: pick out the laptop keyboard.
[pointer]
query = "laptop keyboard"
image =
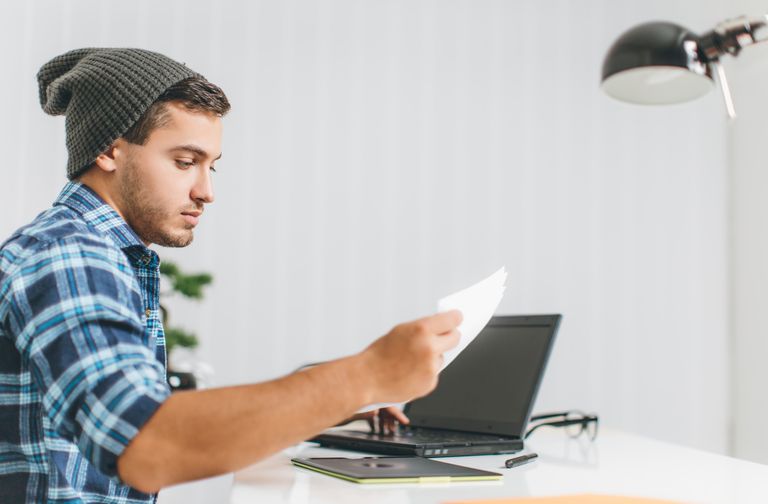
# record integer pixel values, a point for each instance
(428, 436)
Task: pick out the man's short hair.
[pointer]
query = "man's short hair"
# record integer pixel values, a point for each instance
(194, 93)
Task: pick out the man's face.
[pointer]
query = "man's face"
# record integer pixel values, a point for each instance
(163, 185)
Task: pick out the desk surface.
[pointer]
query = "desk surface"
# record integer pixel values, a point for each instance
(616, 463)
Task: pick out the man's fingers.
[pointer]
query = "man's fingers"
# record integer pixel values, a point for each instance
(397, 414)
(390, 425)
(445, 342)
(444, 322)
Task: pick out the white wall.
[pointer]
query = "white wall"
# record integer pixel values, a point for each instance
(382, 154)
(749, 238)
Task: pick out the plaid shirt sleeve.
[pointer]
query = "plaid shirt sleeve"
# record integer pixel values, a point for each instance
(77, 317)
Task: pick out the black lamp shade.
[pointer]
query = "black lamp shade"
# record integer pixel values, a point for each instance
(656, 63)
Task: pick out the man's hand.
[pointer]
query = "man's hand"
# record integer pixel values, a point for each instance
(404, 364)
(198, 434)
(383, 421)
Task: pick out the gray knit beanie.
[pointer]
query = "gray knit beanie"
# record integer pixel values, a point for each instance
(103, 92)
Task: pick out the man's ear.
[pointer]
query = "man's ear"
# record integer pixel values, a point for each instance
(107, 161)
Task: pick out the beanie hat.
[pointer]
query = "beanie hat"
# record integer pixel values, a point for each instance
(103, 92)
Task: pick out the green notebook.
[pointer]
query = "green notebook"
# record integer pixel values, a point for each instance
(393, 470)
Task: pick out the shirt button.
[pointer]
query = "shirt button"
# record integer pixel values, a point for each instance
(147, 312)
(146, 259)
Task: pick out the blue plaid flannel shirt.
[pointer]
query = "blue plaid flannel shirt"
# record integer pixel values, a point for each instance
(82, 353)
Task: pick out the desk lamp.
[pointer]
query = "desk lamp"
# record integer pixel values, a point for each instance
(659, 62)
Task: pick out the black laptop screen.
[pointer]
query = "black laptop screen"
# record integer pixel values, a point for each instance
(491, 386)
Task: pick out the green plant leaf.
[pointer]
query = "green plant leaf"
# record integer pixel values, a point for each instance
(178, 337)
(190, 286)
(168, 268)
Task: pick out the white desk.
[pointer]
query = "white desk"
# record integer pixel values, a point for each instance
(616, 463)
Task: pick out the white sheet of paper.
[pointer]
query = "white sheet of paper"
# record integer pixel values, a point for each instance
(477, 304)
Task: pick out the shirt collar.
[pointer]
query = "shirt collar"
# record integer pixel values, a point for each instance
(83, 200)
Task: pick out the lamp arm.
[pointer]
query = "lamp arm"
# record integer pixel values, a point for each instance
(731, 36)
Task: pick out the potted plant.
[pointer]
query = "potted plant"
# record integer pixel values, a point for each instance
(189, 286)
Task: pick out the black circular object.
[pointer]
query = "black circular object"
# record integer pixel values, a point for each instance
(655, 63)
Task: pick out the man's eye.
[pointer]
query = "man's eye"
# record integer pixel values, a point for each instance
(213, 169)
(184, 164)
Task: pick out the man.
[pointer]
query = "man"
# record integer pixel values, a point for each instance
(85, 413)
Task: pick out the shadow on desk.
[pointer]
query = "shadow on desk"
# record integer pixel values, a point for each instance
(578, 452)
(207, 491)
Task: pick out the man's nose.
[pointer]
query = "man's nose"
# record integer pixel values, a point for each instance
(202, 191)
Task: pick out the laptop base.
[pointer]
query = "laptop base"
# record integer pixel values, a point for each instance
(366, 442)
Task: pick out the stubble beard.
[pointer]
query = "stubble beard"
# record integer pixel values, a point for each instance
(145, 217)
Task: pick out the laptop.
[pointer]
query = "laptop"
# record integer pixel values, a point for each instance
(482, 402)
